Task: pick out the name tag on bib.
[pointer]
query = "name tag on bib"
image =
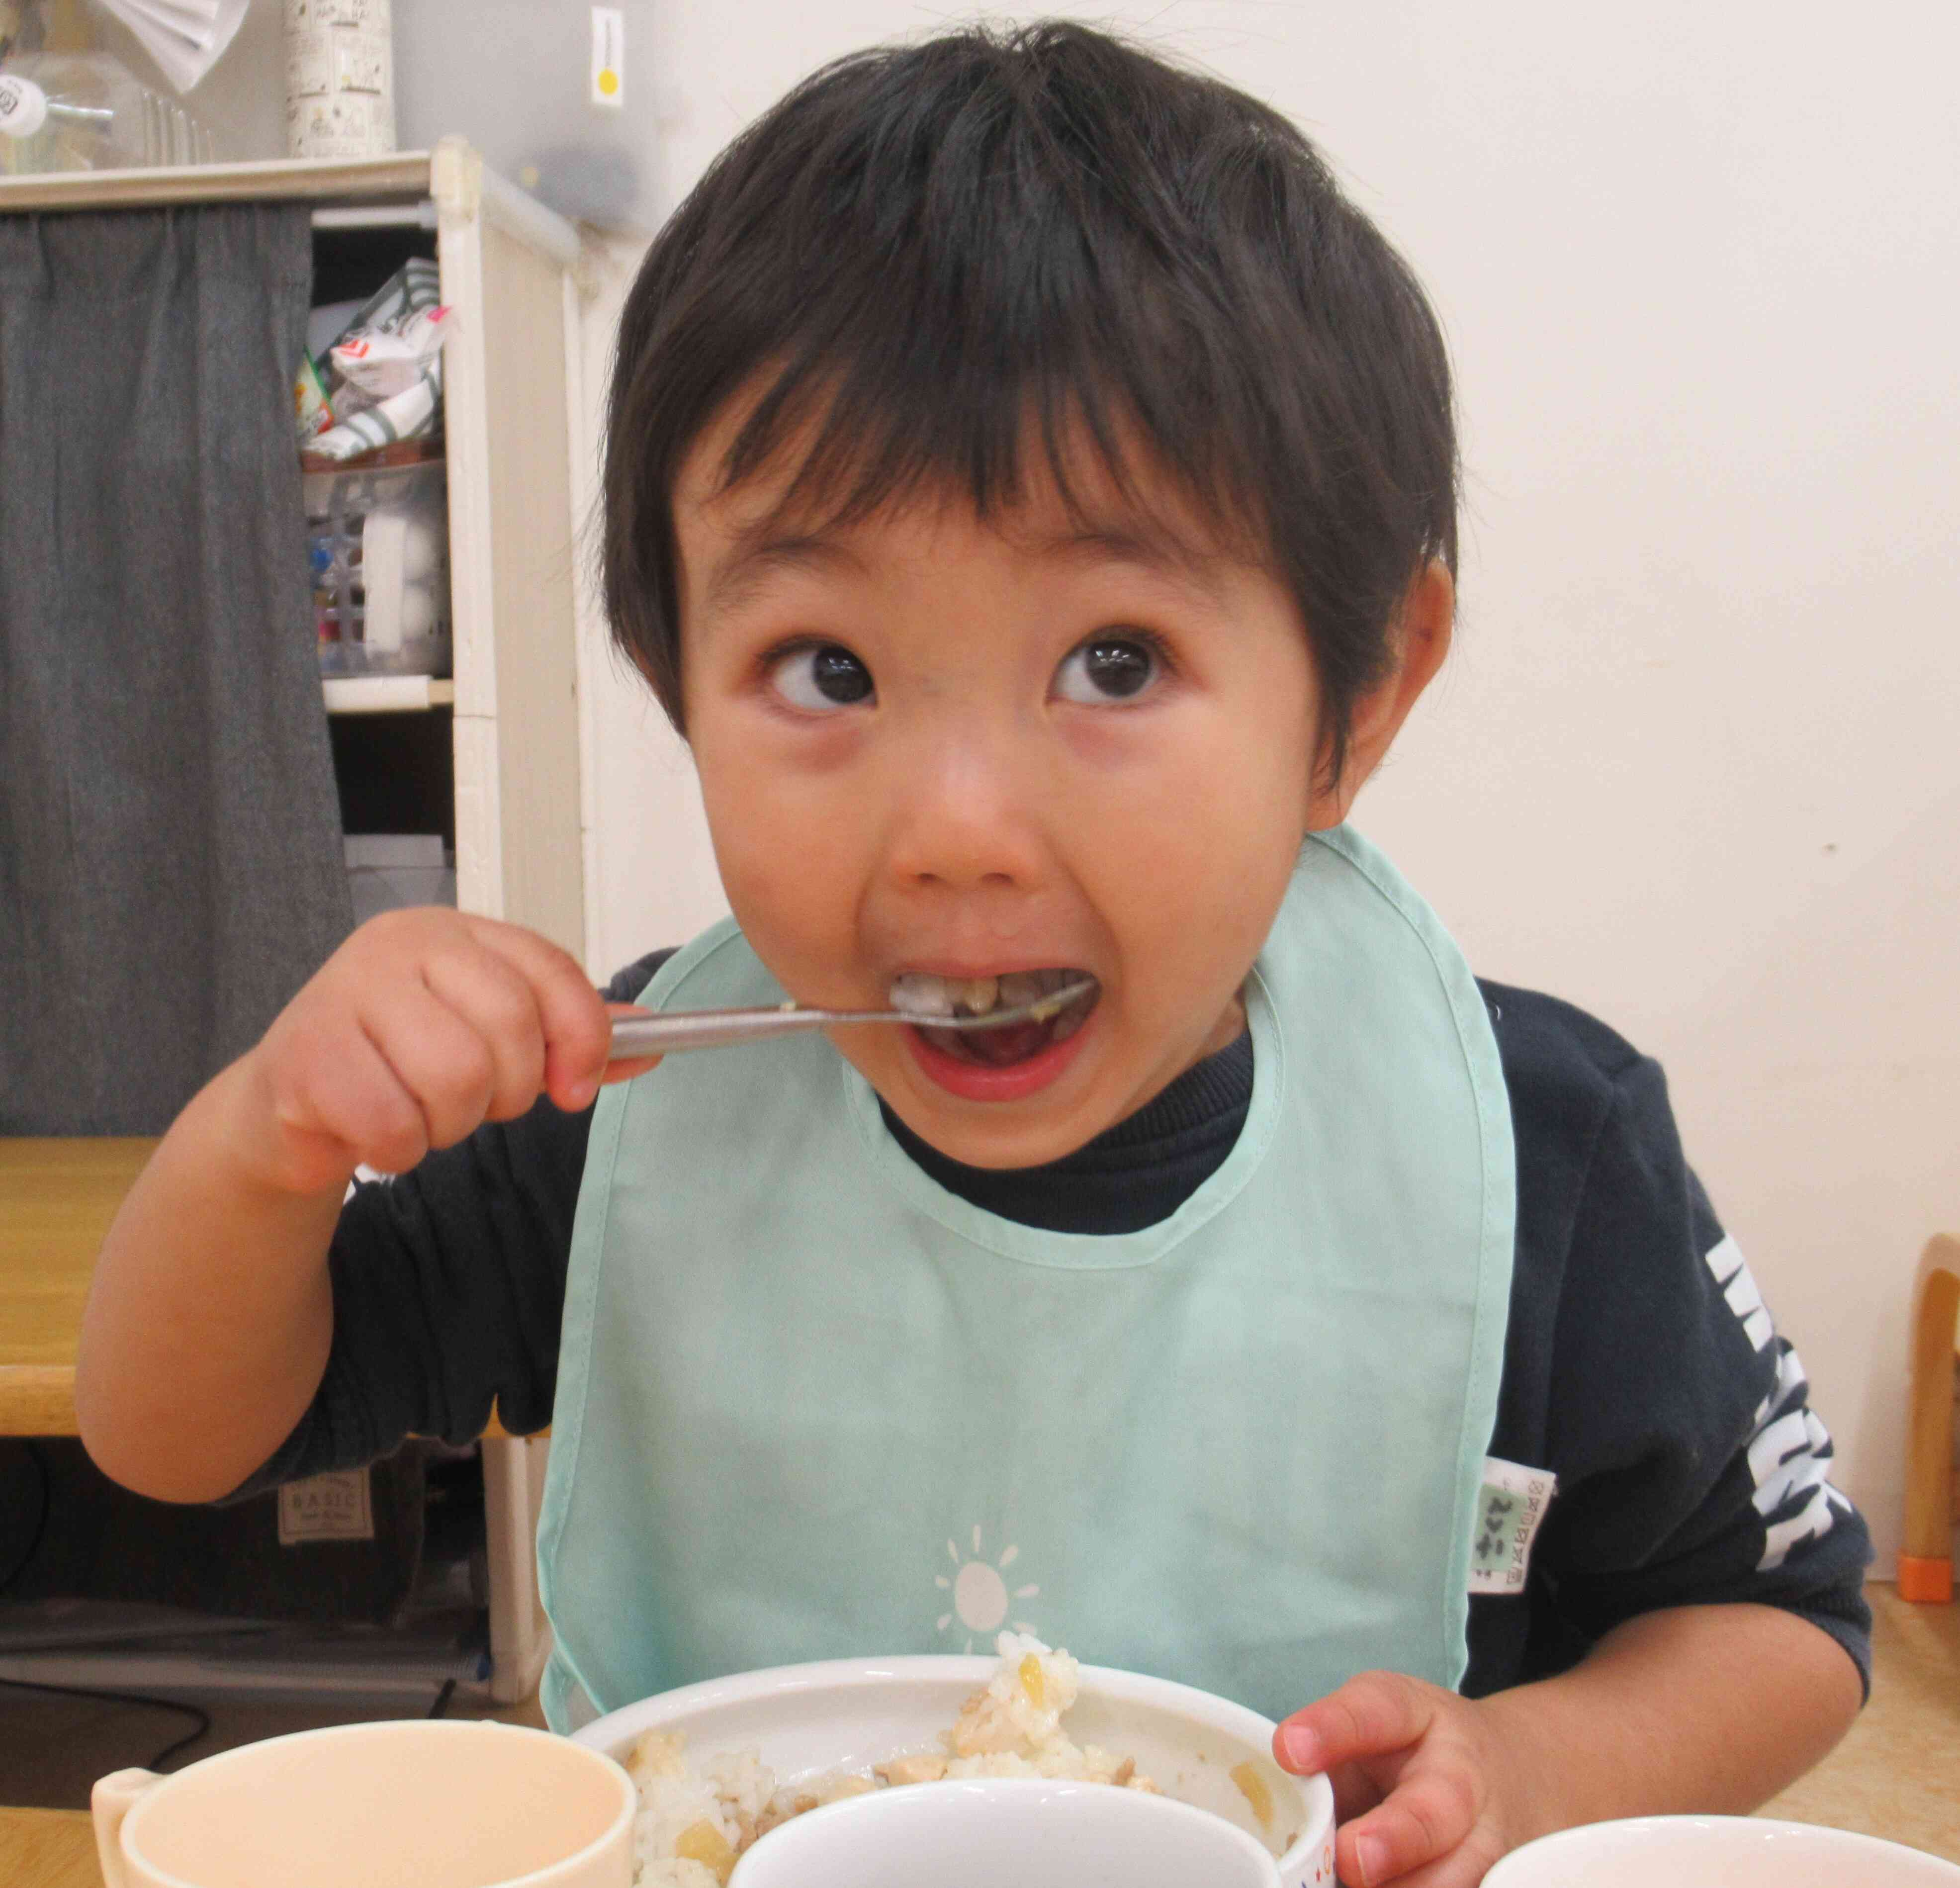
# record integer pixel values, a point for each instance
(1512, 1503)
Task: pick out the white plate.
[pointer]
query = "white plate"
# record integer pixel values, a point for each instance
(1030, 1831)
(1716, 1851)
(849, 1714)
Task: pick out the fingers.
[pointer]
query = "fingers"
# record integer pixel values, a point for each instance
(636, 1065)
(1411, 1779)
(572, 1018)
(1368, 1717)
(501, 1011)
(424, 1025)
(1356, 1789)
(1419, 1834)
(332, 1110)
(1466, 1867)
(444, 1064)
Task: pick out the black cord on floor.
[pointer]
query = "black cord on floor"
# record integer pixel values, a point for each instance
(440, 1707)
(169, 1750)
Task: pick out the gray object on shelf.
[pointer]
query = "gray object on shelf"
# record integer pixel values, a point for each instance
(389, 871)
(455, 67)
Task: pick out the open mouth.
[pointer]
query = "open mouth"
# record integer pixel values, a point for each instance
(921, 994)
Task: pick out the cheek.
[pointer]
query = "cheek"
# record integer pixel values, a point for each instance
(1183, 819)
(789, 861)
(1186, 852)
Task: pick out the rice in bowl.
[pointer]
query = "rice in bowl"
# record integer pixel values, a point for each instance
(695, 1821)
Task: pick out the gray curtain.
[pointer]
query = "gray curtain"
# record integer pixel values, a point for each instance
(170, 865)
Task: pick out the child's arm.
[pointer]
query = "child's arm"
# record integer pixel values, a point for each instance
(1709, 1709)
(210, 1318)
(1694, 1543)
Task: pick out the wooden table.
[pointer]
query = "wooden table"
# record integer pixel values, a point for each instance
(57, 1198)
(48, 1848)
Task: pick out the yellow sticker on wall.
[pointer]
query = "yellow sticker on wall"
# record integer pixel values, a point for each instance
(608, 57)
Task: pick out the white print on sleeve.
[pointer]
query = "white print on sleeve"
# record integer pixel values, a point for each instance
(1739, 1287)
(1790, 1451)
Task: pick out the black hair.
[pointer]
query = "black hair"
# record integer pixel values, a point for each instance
(927, 256)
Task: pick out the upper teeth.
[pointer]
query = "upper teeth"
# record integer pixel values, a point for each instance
(921, 993)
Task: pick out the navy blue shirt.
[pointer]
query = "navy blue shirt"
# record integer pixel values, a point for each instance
(1640, 1365)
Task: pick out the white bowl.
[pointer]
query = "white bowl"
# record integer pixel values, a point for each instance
(1716, 1851)
(983, 1831)
(805, 1721)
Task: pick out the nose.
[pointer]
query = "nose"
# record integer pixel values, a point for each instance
(966, 815)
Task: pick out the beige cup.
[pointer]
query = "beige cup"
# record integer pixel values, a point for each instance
(415, 1803)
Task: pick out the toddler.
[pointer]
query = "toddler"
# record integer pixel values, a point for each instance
(1030, 487)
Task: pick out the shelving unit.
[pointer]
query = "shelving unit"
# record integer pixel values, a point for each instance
(489, 757)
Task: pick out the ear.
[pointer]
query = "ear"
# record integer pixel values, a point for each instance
(1419, 640)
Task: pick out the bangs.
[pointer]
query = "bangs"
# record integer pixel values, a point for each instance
(1017, 355)
(848, 446)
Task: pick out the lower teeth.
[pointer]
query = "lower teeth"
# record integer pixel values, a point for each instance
(1018, 1042)
(1072, 1019)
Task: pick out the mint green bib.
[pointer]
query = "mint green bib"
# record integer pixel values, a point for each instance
(810, 1405)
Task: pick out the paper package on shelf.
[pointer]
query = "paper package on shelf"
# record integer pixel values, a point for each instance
(380, 381)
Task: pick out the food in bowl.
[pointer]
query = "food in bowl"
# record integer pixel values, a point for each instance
(695, 1821)
(809, 1720)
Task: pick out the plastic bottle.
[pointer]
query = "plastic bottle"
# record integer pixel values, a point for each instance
(85, 111)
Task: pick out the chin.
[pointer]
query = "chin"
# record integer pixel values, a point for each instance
(1032, 1133)
(1001, 1147)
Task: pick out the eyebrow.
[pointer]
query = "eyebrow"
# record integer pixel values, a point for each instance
(766, 551)
(1147, 547)
(763, 553)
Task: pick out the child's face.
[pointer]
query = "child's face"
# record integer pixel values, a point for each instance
(930, 745)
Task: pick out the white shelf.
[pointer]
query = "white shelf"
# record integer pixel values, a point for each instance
(452, 174)
(400, 173)
(386, 694)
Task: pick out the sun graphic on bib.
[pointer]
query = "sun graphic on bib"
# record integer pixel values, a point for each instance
(980, 1597)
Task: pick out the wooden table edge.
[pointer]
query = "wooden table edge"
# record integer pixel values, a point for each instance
(37, 1399)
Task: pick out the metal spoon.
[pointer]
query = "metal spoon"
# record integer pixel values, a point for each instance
(673, 1030)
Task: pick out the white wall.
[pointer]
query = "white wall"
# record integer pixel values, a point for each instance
(1693, 764)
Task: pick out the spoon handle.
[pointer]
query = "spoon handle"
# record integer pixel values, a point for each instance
(664, 1032)
(670, 1030)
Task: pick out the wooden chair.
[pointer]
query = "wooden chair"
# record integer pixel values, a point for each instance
(1932, 1488)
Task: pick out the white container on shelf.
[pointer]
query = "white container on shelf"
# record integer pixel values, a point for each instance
(340, 78)
(377, 538)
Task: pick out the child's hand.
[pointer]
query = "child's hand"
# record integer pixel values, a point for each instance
(1426, 1791)
(422, 1026)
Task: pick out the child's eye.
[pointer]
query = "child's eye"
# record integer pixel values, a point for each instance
(819, 678)
(1113, 666)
